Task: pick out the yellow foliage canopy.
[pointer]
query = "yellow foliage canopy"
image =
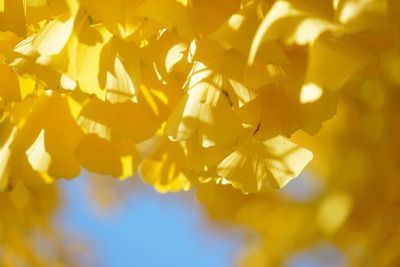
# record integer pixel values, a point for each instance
(219, 88)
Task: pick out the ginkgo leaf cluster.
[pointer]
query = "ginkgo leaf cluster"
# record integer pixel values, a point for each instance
(90, 80)
(217, 95)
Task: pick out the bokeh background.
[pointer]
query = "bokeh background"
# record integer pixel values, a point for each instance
(146, 228)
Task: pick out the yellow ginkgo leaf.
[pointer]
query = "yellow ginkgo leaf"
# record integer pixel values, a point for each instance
(165, 168)
(49, 137)
(120, 88)
(239, 29)
(36, 3)
(116, 158)
(54, 36)
(23, 61)
(199, 113)
(271, 74)
(294, 23)
(62, 135)
(333, 62)
(88, 60)
(163, 53)
(118, 16)
(86, 57)
(9, 89)
(277, 160)
(124, 77)
(22, 171)
(161, 97)
(32, 119)
(361, 14)
(6, 183)
(170, 13)
(12, 17)
(8, 40)
(273, 112)
(37, 155)
(208, 15)
(203, 160)
(136, 122)
(230, 63)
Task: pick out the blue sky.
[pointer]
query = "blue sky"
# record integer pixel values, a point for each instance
(154, 230)
(149, 229)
